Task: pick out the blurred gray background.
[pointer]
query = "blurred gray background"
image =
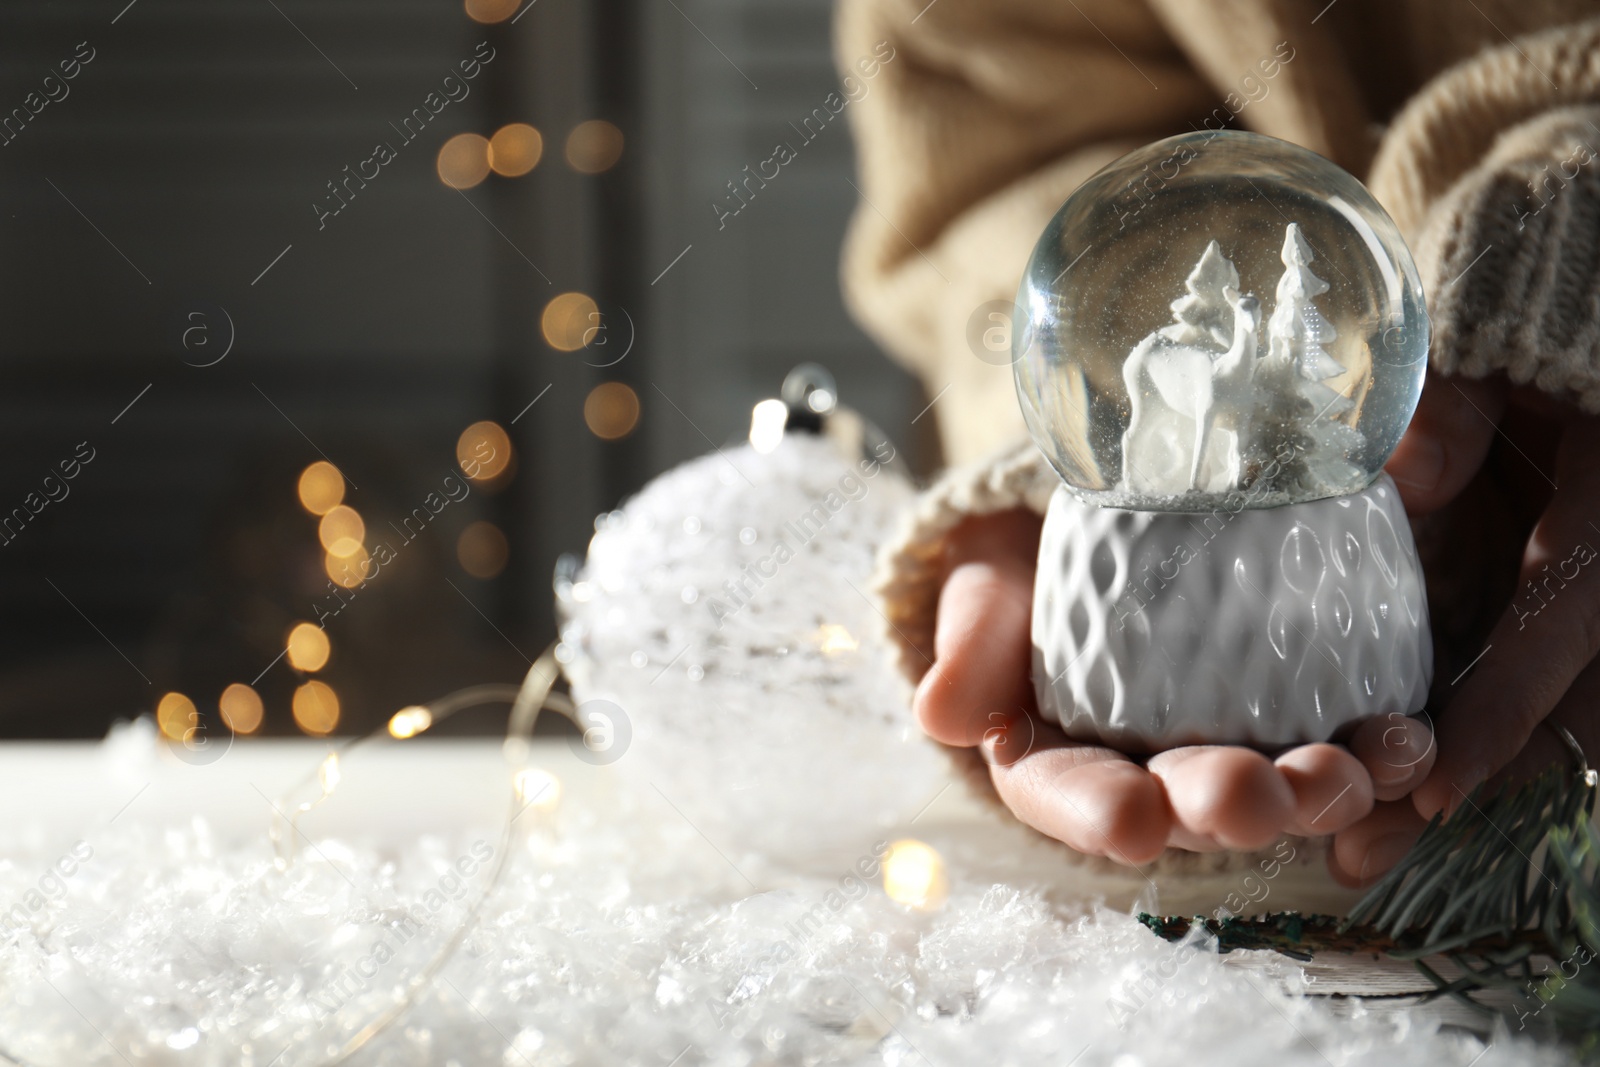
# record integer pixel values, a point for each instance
(177, 176)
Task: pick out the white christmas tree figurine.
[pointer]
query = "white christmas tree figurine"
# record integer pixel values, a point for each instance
(1301, 415)
(1297, 331)
(1203, 316)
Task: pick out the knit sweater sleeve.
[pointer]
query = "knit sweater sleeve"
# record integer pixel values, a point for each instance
(1492, 172)
(977, 123)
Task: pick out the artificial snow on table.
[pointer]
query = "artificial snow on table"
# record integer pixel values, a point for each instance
(712, 894)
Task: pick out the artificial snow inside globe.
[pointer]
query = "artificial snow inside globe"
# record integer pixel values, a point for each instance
(1223, 338)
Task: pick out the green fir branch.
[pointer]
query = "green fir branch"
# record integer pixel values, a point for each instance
(1507, 889)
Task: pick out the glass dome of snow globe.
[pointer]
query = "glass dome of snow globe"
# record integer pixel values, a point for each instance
(1220, 318)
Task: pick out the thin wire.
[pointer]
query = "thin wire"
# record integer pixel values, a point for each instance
(527, 700)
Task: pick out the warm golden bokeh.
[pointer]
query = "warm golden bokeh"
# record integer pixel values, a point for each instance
(611, 410)
(594, 146)
(316, 708)
(835, 640)
(492, 10)
(538, 789)
(515, 149)
(241, 708)
(409, 722)
(308, 647)
(483, 451)
(482, 550)
(176, 716)
(347, 572)
(342, 531)
(913, 874)
(464, 160)
(568, 321)
(321, 488)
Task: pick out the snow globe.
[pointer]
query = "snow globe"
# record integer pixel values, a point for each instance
(1221, 339)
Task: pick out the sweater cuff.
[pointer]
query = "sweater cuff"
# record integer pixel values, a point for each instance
(1509, 259)
(910, 568)
(1491, 174)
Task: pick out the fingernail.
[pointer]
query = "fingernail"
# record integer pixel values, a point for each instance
(1385, 773)
(1420, 464)
(1384, 854)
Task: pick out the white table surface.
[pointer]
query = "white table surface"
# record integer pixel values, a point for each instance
(57, 792)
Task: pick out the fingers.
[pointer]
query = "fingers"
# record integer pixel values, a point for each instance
(1544, 641)
(1233, 796)
(1576, 712)
(1201, 798)
(983, 647)
(1332, 790)
(983, 651)
(1089, 797)
(1445, 444)
(980, 692)
(1366, 851)
(1397, 753)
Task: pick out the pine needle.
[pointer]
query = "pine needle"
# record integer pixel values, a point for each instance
(1507, 889)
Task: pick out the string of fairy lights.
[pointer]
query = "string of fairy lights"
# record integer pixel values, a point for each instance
(913, 872)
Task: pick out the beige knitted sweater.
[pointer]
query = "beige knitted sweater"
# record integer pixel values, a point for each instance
(1476, 123)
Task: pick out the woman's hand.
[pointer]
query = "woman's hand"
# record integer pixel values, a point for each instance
(1540, 489)
(1542, 484)
(1096, 799)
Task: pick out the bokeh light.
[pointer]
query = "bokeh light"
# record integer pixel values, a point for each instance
(568, 320)
(409, 722)
(241, 708)
(342, 531)
(836, 640)
(176, 716)
(515, 149)
(308, 647)
(538, 789)
(611, 410)
(483, 451)
(482, 550)
(913, 874)
(492, 10)
(321, 488)
(316, 708)
(594, 146)
(767, 421)
(464, 160)
(347, 572)
(328, 774)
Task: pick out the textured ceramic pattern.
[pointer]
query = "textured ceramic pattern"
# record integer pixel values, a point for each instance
(1261, 627)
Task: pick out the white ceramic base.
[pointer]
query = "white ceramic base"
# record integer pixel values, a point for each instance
(1266, 627)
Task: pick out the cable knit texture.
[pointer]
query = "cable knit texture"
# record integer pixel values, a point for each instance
(1513, 253)
(1477, 127)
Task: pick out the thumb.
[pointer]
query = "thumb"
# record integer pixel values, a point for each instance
(1445, 444)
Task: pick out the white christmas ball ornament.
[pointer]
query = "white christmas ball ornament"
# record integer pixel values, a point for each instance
(1223, 339)
(721, 615)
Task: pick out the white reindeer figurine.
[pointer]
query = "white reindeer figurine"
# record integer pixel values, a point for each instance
(1191, 396)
